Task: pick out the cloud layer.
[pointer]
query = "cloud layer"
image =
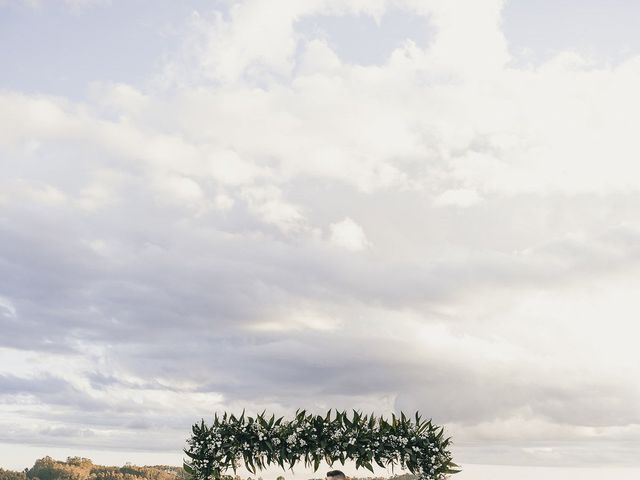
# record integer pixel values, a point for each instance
(263, 223)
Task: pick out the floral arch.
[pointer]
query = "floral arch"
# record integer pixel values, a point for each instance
(414, 444)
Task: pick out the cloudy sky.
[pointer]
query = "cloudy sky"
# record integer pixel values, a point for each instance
(375, 204)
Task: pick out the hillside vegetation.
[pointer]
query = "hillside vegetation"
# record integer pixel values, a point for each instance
(79, 468)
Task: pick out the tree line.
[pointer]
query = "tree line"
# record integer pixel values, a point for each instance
(80, 468)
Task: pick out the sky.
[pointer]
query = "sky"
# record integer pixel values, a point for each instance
(386, 205)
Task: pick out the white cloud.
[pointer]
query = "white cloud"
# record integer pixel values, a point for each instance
(349, 235)
(75, 4)
(459, 197)
(296, 319)
(223, 201)
(182, 189)
(6, 308)
(270, 206)
(318, 58)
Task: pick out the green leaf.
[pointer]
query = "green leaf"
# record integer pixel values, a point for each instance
(249, 463)
(451, 470)
(192, 455)
(263, 422)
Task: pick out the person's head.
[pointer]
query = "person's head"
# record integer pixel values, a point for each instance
(336, 475)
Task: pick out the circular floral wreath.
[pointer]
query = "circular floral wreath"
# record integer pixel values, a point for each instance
(416, 446)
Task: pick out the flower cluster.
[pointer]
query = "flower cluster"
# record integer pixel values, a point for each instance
(258, 442)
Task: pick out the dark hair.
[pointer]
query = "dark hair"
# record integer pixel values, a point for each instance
(336, 474)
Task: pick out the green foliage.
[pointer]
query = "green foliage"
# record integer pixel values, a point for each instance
(49, 469)
(10, 475)
(78, 468)
(417, 446)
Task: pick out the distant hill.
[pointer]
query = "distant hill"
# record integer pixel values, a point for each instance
(80, 468)
(9, 475)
